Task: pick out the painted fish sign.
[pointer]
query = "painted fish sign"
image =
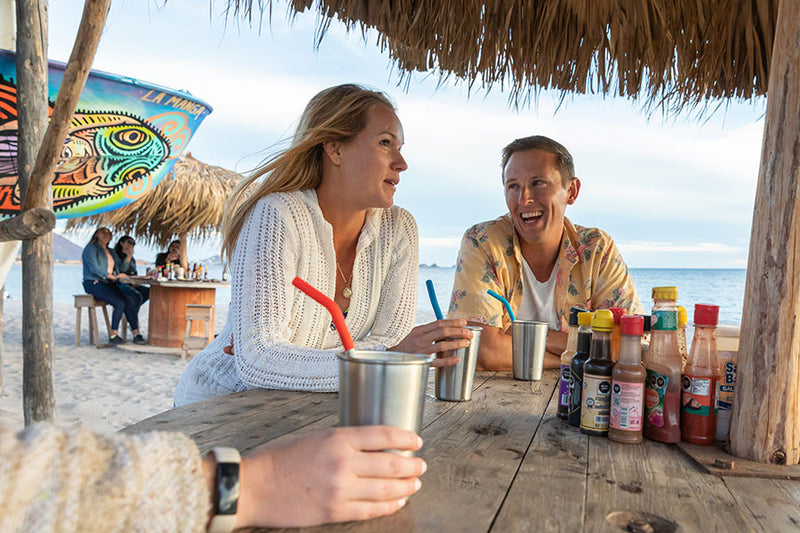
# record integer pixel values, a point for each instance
(123, 139)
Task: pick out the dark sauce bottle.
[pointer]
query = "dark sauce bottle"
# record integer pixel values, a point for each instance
(576, 368)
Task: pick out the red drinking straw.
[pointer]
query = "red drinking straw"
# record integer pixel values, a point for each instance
(333, 309)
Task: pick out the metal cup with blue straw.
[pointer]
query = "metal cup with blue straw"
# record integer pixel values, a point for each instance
(454, 383)
(528, 342)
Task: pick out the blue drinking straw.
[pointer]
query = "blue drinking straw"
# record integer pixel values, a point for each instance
(504, 302)
(432, 295)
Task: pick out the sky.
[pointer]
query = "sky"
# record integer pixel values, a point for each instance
(673, 193)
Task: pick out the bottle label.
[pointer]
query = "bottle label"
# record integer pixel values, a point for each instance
(563, 387)
(654, 398)
(664, 321)
(727, 386)
(596, 402)
(699, 395)
(627, 403)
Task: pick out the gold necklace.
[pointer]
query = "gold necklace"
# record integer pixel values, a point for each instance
(346, 292)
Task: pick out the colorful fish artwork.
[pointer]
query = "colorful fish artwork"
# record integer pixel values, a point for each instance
(123, 139)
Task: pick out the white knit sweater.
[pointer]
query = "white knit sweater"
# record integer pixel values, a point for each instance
(54, 479)
(282, 338)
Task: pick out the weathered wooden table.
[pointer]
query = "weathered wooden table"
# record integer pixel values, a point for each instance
(504, 462)
(166, 324)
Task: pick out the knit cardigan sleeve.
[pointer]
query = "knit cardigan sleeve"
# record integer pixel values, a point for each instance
(73, 479)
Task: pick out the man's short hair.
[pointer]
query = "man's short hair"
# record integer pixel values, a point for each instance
(564, 162)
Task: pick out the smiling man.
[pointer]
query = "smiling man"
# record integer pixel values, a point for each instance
(535, 257)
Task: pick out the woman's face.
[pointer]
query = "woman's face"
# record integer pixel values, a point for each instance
(127, 247)
(104, 237)
(371, 162)
(174, 248)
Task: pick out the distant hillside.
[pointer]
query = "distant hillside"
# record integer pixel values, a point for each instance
(65, 250)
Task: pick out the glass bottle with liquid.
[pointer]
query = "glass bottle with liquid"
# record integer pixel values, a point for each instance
(576, 368)
(566, 359)
(663, 364)
(627, 384)
(700, 379)
(618, 312)
(596, 398)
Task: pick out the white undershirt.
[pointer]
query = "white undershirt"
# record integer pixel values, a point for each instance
(538, 298)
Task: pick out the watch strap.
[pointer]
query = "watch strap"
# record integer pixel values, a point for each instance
(226, 490)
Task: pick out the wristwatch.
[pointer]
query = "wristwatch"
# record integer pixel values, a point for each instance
(226, 490)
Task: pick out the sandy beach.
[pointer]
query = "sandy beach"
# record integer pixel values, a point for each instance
(107, 389)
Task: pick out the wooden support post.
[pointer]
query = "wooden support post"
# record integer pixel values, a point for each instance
(37, 255)
(765, 423)
(38, 155)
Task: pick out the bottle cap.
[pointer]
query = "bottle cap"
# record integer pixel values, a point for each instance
(603, 320)
(706, 315)
(585, 319)
(646, 319)
(617, 312)
(683, 316)
(665, 293)
(631, 325)
(573, 315)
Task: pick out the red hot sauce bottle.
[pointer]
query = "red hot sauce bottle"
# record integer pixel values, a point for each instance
(700, 378)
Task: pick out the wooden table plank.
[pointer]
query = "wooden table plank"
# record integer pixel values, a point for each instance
(548, 491)
(657, 479)
(773, 504)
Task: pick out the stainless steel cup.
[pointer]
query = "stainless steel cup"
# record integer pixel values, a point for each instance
(382, 388)
(528, 339)
(454, 383)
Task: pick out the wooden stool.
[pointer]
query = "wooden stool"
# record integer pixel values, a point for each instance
(90, 303)
(196, 343)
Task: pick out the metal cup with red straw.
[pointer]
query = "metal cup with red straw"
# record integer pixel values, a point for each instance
(375, 387)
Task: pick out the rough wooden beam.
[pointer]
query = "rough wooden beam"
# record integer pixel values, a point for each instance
(38, 399)
(27, 225)
(765, 423)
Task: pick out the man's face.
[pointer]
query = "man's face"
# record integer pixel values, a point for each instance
(536, 197)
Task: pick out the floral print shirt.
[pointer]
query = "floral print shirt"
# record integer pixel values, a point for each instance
(591, 273)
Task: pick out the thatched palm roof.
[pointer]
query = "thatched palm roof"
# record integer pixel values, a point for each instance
(669, 52)
(188, 202)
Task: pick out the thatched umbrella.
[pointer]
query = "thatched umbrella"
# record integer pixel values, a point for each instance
(674, 54)
(187, 203)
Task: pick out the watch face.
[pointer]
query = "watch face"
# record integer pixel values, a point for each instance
(227, 488)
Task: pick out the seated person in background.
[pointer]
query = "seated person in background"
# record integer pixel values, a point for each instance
(126, 264)
(72, 479)
(101, 280)
(322, 210)
(172, 255)
(535, 257)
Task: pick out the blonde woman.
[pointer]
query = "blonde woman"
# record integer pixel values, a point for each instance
(322, 210)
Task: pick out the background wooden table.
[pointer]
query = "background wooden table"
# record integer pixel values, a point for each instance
(166, 324)
(505, 462)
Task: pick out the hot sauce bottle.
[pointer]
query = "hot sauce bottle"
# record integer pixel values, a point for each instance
(699, 397)
(662, 397)
(566, 359)
(576, 368)
(627, 384)
(618, 312)
(596, 398)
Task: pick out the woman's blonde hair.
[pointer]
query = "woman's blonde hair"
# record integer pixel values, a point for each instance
(335, 114)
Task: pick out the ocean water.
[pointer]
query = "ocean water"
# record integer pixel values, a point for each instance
(723, 287)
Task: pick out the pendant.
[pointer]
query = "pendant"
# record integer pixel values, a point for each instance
(347, 293)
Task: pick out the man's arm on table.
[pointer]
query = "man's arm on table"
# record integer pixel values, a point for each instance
(494, 352)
